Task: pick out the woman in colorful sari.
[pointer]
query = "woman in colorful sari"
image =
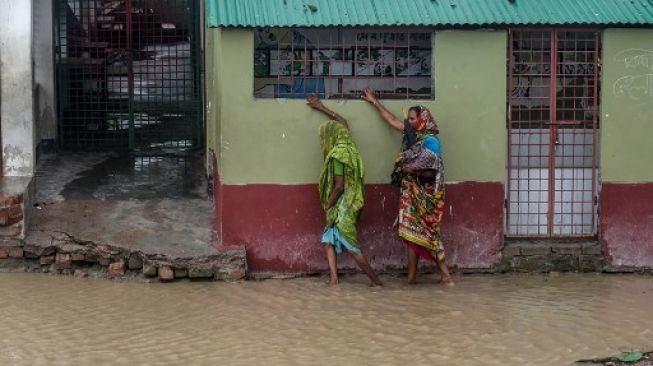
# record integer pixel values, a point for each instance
(419, 173)
(341, 192)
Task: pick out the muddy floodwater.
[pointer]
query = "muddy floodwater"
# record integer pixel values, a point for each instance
(485, 320)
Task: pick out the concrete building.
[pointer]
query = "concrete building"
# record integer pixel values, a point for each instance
(543, 110)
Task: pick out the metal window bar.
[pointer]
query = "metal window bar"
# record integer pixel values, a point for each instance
(128, 73)
(337, 63)
(552, 133)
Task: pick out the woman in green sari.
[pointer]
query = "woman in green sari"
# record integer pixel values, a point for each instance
(341, 192)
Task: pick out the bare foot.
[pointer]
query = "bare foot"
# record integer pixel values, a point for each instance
(411, 282)
(376, 284)
(447, 281)
(332, 282)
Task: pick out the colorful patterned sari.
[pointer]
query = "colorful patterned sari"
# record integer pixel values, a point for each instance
(421, 206)
(337, 144)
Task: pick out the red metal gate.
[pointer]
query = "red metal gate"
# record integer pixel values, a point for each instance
(553, 99)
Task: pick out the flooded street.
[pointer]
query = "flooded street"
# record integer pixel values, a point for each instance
(485, 320)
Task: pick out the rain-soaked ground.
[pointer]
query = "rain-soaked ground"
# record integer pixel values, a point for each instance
(485, 320)
(157, 204)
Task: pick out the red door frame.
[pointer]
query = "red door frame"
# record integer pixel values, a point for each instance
(556, 124)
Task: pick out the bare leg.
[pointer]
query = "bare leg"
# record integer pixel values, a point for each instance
(412, 267)
(444, 274)
(362, 263)
(333, 268)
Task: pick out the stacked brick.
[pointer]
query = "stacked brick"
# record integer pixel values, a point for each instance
(68, 256)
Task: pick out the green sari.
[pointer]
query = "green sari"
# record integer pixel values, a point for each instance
(337, 144)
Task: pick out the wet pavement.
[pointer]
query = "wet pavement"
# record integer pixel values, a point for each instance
(120, 176)
(153, 203)
(485, 320)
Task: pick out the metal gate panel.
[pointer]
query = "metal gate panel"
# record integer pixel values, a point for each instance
(128, 73)
(552, 133)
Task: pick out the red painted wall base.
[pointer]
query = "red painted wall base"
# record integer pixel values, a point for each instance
(281, 225)
(627, 224)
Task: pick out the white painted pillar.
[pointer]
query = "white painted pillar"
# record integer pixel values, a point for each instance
(16, 88)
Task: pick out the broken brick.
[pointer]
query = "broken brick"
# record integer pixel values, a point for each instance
(116, 269)
(134, 262)
(149, 269)
(166, 273)
(63, 261)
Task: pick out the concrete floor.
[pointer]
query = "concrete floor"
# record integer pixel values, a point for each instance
(155, 204)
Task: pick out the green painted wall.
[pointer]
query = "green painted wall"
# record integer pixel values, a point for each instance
(211, 77)
(276, 141)
(470, 87)
(627, 106)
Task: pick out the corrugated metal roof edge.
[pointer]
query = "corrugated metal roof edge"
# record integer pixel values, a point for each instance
(431, 13)
(465, 25)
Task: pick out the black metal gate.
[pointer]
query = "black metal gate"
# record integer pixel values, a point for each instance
(128, 73)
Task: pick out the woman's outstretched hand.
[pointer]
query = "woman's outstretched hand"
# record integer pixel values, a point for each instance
(314, 102)
(368, 95)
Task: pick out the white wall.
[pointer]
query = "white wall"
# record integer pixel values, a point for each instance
(16, 80)
(574, 183)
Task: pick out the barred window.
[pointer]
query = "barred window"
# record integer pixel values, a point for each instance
(337, 63)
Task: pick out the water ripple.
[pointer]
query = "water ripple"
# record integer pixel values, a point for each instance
(486, 320)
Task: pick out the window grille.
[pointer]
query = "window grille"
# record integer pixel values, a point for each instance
(335, 63)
